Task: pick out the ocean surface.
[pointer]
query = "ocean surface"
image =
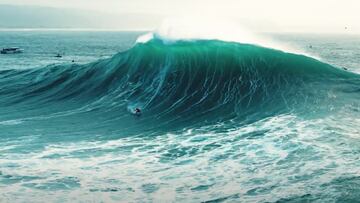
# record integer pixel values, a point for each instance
(220, 121)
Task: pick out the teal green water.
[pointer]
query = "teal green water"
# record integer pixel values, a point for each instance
(220, 122)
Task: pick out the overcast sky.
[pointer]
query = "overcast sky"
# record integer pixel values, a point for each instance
(287, 15)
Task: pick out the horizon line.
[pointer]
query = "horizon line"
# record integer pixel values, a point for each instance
(148, 30)
(74, 29)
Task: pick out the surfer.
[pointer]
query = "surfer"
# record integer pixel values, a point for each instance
(137, 111)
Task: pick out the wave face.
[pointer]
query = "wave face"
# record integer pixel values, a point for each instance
(210, 103)
(176, 85)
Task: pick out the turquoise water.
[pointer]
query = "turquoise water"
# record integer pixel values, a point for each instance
(221, 122)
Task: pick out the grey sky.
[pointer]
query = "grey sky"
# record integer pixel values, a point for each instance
(287, 15)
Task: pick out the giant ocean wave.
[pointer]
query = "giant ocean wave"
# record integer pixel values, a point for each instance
(177, 85)
(221, 121)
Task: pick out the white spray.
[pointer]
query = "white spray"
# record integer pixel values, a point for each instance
(188, 29)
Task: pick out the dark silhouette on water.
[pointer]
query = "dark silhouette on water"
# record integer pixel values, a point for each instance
(11, 50)
(137, 111)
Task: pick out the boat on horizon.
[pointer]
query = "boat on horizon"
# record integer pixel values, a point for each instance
(11, 50)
